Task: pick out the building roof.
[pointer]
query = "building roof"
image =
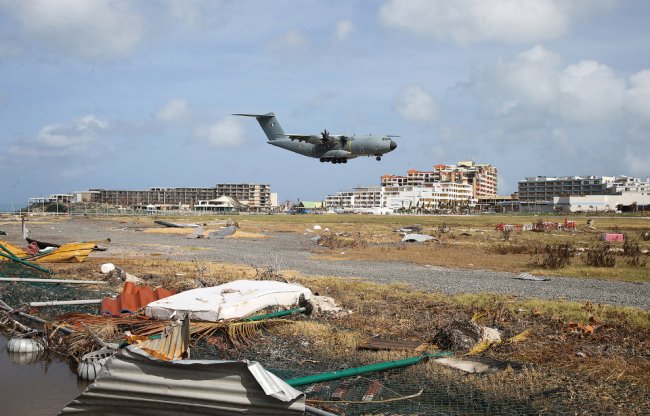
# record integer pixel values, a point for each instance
(310, 204)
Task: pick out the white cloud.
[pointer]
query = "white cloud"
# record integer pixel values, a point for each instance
(94, 30)
(471, 21)
(414, 104)
(344, 29)
(638, 95)
(589, 91)
(536, 84)
(226, 133)
(291, 41)
(174, 110)
(71, 137)
(58, 141)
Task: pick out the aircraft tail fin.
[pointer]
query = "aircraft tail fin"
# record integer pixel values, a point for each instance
(269, 124)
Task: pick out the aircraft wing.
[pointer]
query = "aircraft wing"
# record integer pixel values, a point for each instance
(308, 138)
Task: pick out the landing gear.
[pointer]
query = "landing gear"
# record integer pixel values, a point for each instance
(378, 158)
(334, 160)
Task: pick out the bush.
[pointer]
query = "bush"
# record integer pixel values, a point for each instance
(645, 235)
(599, 255)
(333, 241)
(633, 255)
(554, 256)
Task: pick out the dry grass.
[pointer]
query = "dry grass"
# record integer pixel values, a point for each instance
(612, 365)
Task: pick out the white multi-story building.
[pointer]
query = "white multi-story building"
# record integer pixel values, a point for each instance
(441, 195)
(481, 176)
(583, 193)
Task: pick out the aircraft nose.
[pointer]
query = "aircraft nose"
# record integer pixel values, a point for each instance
(393, 145)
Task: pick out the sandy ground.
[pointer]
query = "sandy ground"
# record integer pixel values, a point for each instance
(294, 251)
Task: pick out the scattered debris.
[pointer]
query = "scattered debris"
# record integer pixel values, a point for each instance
(197, 233)
(577, 328)
(475, 364)
(231, 300)
(611, 237)
(172, 344)
(379, 344)
(317, 227)
(2, 232)
(175, 224)
(132, 299)
(107, 268)
(24, 345)
(53, 281)
(65, 302)
(416, 228)
(223, 232)
(528, 276)
(92, 363)
(41, 244)
(458, 335)
(70, 252)
(117, 274)
(418, 238)
(325, 305)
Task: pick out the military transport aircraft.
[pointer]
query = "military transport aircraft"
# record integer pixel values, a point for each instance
(335, 148)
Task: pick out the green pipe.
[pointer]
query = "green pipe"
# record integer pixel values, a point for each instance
(386, 365)
(8, 251)
(26, 263)
(276, 314)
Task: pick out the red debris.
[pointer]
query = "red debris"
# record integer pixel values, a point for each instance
(132, 299)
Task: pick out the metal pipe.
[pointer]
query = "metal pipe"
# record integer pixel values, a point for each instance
(386, 365)
(8, 251)
(66, 302)
(26, 263)
(9, 309)
(71, 281)
(276, 314)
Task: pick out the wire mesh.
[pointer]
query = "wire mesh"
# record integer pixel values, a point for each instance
(19, 294)
(443, 391)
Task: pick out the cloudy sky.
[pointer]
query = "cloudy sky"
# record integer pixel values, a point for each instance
(135, 94)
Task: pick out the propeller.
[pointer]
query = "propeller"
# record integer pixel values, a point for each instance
(325, 136)
(343, 140)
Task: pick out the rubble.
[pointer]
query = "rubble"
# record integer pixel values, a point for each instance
(418, 238)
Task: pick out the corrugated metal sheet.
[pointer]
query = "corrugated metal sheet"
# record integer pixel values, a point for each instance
(133, 383)
(173, 343)
(132, 299)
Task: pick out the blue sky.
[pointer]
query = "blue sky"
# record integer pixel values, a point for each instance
(134, 94)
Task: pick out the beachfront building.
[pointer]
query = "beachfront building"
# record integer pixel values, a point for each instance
(584, 193)
(481, 177)
(387, 199)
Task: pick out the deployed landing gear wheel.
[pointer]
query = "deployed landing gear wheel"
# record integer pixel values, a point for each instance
(322, 159)
(345, 161)
(378, 158)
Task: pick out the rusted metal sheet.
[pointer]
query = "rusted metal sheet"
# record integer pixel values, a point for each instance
(173, 343)
(134, 383)
(378, 344)
(373, 391)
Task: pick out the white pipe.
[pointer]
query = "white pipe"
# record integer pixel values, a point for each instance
(66, 302)
(32, 280)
